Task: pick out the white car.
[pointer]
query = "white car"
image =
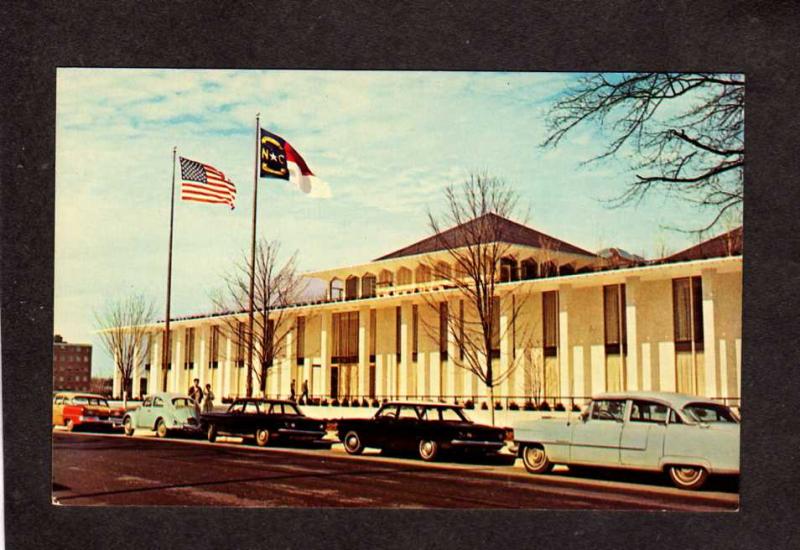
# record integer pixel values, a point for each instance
(166, 413)
(686, 436)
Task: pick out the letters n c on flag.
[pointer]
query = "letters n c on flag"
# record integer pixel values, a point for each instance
(204, 183)
(278, 159)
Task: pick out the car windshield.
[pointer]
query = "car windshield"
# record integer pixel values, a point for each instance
(183, 403)
(84, 400)
(709, 413)
(291, 409)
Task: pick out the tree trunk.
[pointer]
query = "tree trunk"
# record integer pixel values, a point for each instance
(491, 404)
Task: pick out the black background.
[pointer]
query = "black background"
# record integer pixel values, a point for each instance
(757, 38)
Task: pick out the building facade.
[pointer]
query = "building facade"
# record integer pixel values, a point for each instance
(569, 324)
(72, 365)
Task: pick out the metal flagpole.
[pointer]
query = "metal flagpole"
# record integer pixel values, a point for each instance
(165, 352)
(253, 264)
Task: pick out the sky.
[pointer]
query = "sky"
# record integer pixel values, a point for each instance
(387, 144)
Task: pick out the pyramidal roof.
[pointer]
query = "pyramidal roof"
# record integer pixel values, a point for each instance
(508, 232)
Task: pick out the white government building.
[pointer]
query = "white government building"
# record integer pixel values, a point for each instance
(588, 323)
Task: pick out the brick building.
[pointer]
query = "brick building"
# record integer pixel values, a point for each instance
(72, 365)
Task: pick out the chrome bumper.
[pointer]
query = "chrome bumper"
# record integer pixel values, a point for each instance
(474, 443)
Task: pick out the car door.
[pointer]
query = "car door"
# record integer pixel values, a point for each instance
(642, 443)
(250, 418)
(596, 437)
(58, 410)
(144, 416)
(407, 427)
(381, 431)
(156, 410)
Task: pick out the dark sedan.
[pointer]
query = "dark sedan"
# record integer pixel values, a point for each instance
(265, 420)
(427, 428)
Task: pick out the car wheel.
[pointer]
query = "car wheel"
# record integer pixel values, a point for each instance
(70, 425)
(428, 450)
(211, 434)
(534, 457)
(262, 437)
(128, 425)
(161, 428)
(688, 477)
(352, 443)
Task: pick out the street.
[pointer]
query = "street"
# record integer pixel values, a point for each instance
(111, 469)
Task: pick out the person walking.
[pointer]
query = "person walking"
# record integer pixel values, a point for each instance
(292, 391)
(304, 397)
(208, 400)
(196, 393)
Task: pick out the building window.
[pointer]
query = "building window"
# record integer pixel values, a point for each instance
(529, 269)
(300, 344)
(614, 322)
(169, 348)
(189, 344)
(422, 274)
(345, 337)
(687, 309)
(508, 270)
(385, 278)
(373, 336)
(397, 324)
(403, 276)
(213, 356)
(414, 332)
(241, 335)
(550, 322)
(368, 284)
(351, 288)
(461, 330)
(443, 271)
(443, 330)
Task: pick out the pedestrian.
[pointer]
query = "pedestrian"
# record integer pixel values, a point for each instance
(208, 400)
(292, 391)
(304, 397)
(196, 393)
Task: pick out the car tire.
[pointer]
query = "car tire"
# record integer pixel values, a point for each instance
(352, 443)
(127, 425)
(428, 450)
(161, 428)
(687, 477)
(211, 433)
(262, 437)
(535, 460)
(70, 425)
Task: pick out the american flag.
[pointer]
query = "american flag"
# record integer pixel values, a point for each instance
(204, 183)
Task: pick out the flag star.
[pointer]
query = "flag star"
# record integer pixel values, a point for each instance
(272, 156)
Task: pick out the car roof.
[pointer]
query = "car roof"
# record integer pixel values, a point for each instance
(168, 395)
(265, 400)
(422, 404)
(676, 400)
(78, 394)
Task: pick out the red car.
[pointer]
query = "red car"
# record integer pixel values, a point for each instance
(87, 410)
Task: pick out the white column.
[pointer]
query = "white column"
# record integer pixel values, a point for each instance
(325, 353)
(227, 371)
(154, 379)
(138, 366)
(453, 368)
(565, 385)
(632, 359)
(177, 364)
(289, 361)
(506, 360)
(363, 350)
(709, 332)
(116, 387)
(202, 370)
(405, 347)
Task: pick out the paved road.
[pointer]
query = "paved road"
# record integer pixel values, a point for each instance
(92, 469)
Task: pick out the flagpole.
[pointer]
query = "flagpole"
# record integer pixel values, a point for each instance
(253, 265)
(165, 352)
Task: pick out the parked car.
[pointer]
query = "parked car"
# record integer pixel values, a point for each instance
(265, 420)
(687, 437)
(166, 413)
(85, 410)
(427, 428)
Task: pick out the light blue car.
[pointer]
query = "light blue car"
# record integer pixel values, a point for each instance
(165, 413)
(686, 436)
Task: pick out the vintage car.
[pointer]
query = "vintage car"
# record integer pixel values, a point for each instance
(166, 413)
(427, 428)
(266, 421)
(687, 437)
(85, 410)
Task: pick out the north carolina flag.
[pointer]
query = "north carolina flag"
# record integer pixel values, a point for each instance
(280, 160)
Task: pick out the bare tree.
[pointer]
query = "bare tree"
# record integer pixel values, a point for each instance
(123, 329)
(687, 129)
(276, 286)
(473, 255)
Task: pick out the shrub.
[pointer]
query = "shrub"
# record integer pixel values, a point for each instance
(365, 402)
(468, 404)
(560, 407)
(335, 402)
(376, 403)
(513, 406)
(575, 408)
(484, 406)
(544, 406)
(529, 406)
(345, 403)
(324, 402)
(498, 406)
